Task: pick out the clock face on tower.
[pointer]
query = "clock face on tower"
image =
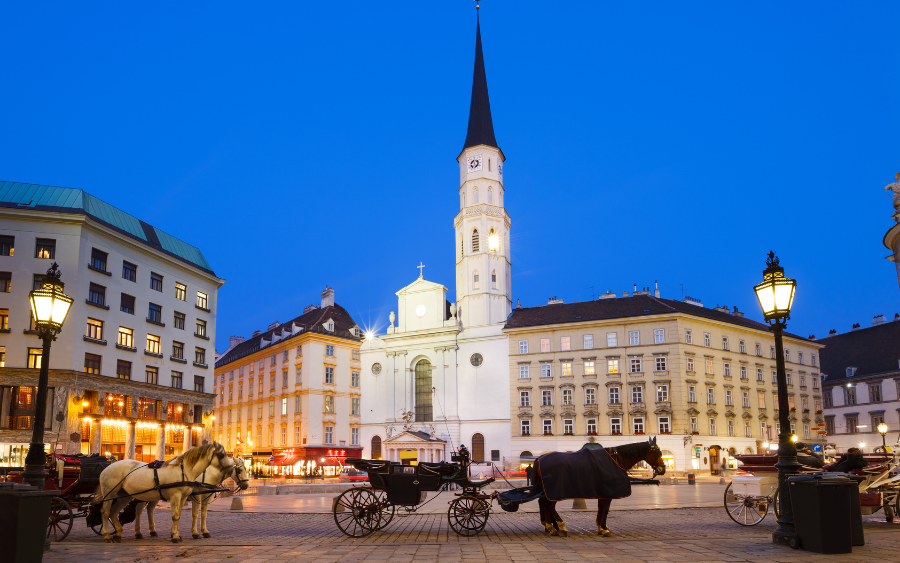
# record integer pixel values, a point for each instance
(474, 163)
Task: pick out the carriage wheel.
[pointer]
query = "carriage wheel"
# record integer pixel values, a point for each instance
(776, 502)
(386, 514)
(98, 529)
(357, 512)
(60, 523)
(746, 511)
(468, 515)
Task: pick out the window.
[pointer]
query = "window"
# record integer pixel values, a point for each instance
(812, 360)
(762, 400)
(524, 398)
(772, 352)
(546, 398)
(637, 424)
(709, 367)
(565, 343)
(726, 369)
(710, 396)
(284, 378)
(758, 350)
(689, 363)
(566, 369)
(200, 356)
(177, 377)
(7, 245)
(592, 426)
(695, 428)
(759, 374)
(123, 369)
(156, 281)
(201, 327)
(354, 379)
(744, 372)
(612, 366)
(329, 403)
(97, 294)
(94, 329)
(745, 399)
(743, 346)
(615, 425)
(153, 344)
(800, 357)
(637, 393)
(545, 370)
(635, 365)
(283, 406)
(661, 363)
(329, 434)
(272, 383)
(614, 398)
(329, 375)
(590, 396)
(129, 271)
(202, 300)
(874, 393)
(707, 339)
(589, 367)
(523, 372)
(665, 426)
(240, 391)
(787, 355)
(692, 393)
(98, 260)
(45, 248)
(296, 403)
(494, 278)
(523, 346)
(850, 395)
(151, 374)
(852, 424)
(178, 350)
(545, 344)
(5, 282)
(662, 393)
(154, 313)
(198, 384)
(588, 341)
(815, 382)
(730, 427)
(818, 404)
(92, 364)
(475, 241)
(567, 397)
(634, 338)
(659, 336)
(712, 426)
(354, 436)
(724, 343)
(802, 381)
(475, 279)
(126, 305)
(4, 319)
(729, 401)
(548, 426)
(568, 426)
(763, 430)
(688, 337)
(329, 350)
(525, 426)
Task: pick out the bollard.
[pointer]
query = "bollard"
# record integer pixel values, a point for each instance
(335, 506)
(674, 480)
(722, 480)
(692, 480)
(579, 504)
(236, 504)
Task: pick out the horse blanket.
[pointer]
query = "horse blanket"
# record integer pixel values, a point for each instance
(589, 473)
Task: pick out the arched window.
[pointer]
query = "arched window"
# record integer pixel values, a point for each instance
(462, 248)
(462, 199)
(475, 279)
(423, 408)
(475, 243)
(489, 168)
(475, 196)
(490, 195)
(477, 447)
(493, 241)
(494, 279)
(376, 447)
(525, 454)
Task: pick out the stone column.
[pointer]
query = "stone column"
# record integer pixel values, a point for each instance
(129, 440)
(187, 439)
(161, 442)
(97, 436)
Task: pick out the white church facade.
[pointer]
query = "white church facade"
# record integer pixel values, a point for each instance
(438, 378)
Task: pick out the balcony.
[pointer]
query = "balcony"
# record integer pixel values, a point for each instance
(203, 336)
(199, 365)
(204, 309)
(97, 304)
(126, 348)
(153, 354)
(156, 322)
(94, 340)
(178, 359)
(98, 270)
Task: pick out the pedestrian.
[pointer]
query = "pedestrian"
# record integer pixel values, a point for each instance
(529, 472)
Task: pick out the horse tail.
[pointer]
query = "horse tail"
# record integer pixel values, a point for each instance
(98, 494)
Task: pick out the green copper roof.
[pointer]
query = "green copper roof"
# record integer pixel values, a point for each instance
(69, 200)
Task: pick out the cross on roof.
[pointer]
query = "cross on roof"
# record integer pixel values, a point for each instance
(420, 266)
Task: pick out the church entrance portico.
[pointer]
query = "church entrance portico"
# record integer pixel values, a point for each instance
(410, 447)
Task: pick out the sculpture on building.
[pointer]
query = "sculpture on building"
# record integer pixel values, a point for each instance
(895, 188)
(408, 418)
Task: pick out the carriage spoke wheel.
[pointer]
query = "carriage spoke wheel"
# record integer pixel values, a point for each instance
(386, 514)
(60, 523)
(468, 515)
(746, 511)
(357, 512)
(776, 503)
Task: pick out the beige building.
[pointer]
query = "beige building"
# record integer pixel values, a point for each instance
(290, 396)
(623, 368)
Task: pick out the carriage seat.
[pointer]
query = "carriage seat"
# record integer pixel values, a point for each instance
(465, 483)
(371, 464)
(444, 469)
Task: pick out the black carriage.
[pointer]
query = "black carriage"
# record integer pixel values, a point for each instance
(360, 511)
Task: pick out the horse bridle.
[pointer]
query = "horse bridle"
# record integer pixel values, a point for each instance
(614, 453)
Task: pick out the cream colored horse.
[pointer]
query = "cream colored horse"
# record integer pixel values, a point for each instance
(127, 479)
(199, 500)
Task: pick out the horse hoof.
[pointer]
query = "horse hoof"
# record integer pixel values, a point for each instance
(174, 540)
(195, 536)
(138, 536)
(108, 540)
(117, 539)
(207, 535)
(554, 532)
(605, 533)
(153, 534)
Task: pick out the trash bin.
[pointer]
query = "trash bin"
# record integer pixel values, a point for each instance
(24, 514)
(855, 512)
(821, 507)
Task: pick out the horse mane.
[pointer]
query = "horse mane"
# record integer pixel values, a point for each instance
(173, 461)
(194, 455)
(636, 450)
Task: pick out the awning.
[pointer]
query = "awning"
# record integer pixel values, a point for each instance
(322, 456)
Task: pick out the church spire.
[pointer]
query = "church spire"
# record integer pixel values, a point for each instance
(481, 127)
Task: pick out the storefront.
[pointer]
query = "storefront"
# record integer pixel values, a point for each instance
(310, 462)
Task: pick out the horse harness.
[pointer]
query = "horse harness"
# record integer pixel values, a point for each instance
(614, 454)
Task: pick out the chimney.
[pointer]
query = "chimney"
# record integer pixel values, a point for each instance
(656, 289)
(878, 320)
(518, 304)
(855, 326)
(273, 325)
(256, 333)
(737, 313)
(234, 341)
(624, 294)
(607, 295)
(309, 308)
(723, 309)
(693, 301)
(328, 297)
(896, 317)
(832, 332)
(812, 337)
(554, 301)
(635, 288)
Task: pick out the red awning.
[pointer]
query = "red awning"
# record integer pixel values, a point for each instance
(322, 456)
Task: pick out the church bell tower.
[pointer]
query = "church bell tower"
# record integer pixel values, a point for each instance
(483, 287)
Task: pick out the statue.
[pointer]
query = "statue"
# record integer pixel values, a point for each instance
(389, 430)
(393, 318)
(433, 431)
(408, 418)
(895, 187)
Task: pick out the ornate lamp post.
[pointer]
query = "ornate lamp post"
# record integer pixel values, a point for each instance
(776, 295)
(49, 306)
(882, 429)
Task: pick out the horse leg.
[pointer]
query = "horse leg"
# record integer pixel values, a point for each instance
(195, 513)
(603, 505)
(560, 526)
(139, 507)
(546, 518)
(117, 505)
(105, 509)
(204, 507)
(151, 518)
(176, 503)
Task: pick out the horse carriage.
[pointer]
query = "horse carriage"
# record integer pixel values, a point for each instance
(593, 472)
(76, 477)
(749, 498)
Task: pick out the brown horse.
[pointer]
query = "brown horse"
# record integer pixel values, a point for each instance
(625, 456)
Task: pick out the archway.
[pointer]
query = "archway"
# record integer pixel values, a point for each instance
(376, 447)
(423, 408)
(714, 460)
(477, 447)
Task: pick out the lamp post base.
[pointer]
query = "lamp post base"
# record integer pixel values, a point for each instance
(785, 536)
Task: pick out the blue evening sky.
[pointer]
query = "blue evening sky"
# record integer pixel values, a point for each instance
(300, 145)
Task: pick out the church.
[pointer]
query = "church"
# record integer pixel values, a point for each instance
(438, 378)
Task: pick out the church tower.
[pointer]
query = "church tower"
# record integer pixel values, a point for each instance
(483, 287)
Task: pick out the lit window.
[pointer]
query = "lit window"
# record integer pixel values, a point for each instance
(202, 300)
(567, 397)
(45, 248)
(762, 400)
(612, 366)
(153, 344)
(709, 367)
(7, 245)
(689, 363)
(284, 406)
(94, 329)
(662, 393)
(92, 364)
(180, 291)
(201, 327)
(565, 343)
(566, 368)
(329, 403)
(589, 367)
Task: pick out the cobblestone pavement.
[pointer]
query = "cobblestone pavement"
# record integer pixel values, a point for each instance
(672, 535)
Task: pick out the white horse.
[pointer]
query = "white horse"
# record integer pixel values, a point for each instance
(199, 500)
(127, 479)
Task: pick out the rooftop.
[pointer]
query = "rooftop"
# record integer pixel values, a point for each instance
(871, 350)
(38, 197)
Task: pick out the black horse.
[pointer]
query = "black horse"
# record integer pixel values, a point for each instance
(599, 473)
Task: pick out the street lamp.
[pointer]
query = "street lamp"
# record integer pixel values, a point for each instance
(882, 429)
(49, 307)
(776, 295)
